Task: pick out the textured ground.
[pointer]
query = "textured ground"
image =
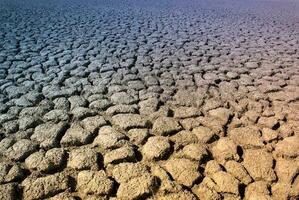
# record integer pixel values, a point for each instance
(149, 99)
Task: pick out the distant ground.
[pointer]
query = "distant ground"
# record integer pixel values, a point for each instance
(163, 99)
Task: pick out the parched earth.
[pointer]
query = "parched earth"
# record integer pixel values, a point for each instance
(163, 99)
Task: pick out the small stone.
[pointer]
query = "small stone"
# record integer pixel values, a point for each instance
(82, 159)
(137, 85)
(165, 126)
(46, 162)
(212, 167)
(203, 192)
(225, 149)
(8, 191)
(148, 106)
(286, 170)
(3, 108)
(226, 182)
(128, 121)
(186, 112)
(210, 183)
(246, 137)
(295, 188)
(163, 111)
(259, 164)
(124, 172)
(6, 117)
(9, 173)
(138, 136)
(23, 134)
(283, 191)
(228, 196)
(121, 109)
(232, 75)
(11, 126)
(94, 182)
(122, 154)
(21, 150)
(47, 134)
(211, 104)
(151, 80)
(183, 138)
(92, 124)
(235, 123)
(109, 138)
(81, 112)
(213, 123)
(257, 190)
(36, 112)
(22, 102)
(27, 122)
(195, 152)
(42, 187)
(183, 171)
(269, 122)
(34, 97)
(166, 182)
(137, 188)
(238, 171)
(223, 114)
(5, 143)
(64, 196)
(77, 101)
(76, 135)
(56, 116)
(100, 105)
(122, 98)
(210, 76)
(190, 123)
(252, 115)
(269, 134)
(156, 148)
(61, 103)
(204, 134)
(268, 112)
(65, 92)
(285, 130)
(15, 173)
(251, 65)
(178, 196)
(288, 147)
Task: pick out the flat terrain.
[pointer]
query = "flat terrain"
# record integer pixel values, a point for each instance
(166, 99)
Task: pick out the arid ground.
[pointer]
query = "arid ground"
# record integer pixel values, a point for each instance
(149, 99)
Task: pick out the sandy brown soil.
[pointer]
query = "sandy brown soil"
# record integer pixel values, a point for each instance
(144, 99)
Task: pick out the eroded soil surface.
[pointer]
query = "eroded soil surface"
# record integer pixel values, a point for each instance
(144, 99)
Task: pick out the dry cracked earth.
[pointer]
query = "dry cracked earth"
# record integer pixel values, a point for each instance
(168, 99)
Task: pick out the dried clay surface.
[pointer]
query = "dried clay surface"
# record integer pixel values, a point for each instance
(166, 99)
